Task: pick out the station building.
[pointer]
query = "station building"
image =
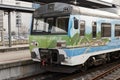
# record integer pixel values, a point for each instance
(20, 21)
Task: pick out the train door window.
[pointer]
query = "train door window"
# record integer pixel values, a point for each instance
(76, 23)
(82, 28)
(117, 30)
(94, 29)
(105, 30)
(62, 25)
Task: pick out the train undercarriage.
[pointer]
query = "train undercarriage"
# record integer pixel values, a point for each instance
(100, 60)
(51, 61)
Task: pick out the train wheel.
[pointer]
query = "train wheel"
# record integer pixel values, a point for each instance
(84, 67)
(115, 56)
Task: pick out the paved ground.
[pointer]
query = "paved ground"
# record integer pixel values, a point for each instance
(13, 56)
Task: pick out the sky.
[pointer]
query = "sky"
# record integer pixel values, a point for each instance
(107, 0)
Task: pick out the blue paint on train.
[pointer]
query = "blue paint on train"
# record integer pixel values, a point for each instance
(74, 51)
(78, 51)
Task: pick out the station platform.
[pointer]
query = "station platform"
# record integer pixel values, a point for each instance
(17, 64)
(14, 54)
(14, 48)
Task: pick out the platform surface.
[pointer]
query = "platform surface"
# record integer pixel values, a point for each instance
(14, 55)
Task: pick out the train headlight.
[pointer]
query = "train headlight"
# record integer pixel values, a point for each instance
(34, 43)
(61, 43)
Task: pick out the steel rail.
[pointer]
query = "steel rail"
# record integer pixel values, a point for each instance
(92, 72)
(111, 70)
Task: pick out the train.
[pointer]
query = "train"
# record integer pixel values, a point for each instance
(67, 38)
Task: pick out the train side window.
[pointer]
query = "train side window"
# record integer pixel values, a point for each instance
(82, 28)
(76, 23)
(105, 30)
(94, 25)
(117, 30)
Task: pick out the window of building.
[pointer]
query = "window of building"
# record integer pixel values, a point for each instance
(117, 30)
(18, 21)
(105, 30)
(94, 31)
(82, 28)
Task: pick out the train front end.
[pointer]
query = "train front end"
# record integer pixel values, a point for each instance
(49, 35)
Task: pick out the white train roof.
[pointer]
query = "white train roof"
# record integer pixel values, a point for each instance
(94, 12)
(55, 9)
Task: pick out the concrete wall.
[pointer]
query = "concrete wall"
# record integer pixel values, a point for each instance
(17, 70)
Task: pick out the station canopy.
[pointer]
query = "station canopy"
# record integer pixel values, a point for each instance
(85, 3)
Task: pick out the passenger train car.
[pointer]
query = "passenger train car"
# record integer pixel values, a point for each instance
(65, 37)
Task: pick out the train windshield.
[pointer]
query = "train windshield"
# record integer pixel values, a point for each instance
(50, 25)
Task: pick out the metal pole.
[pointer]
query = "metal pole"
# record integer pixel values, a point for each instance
(9, 28)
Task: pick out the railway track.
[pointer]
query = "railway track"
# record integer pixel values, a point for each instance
(110, 71)
(45, 76)
(111, 74)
